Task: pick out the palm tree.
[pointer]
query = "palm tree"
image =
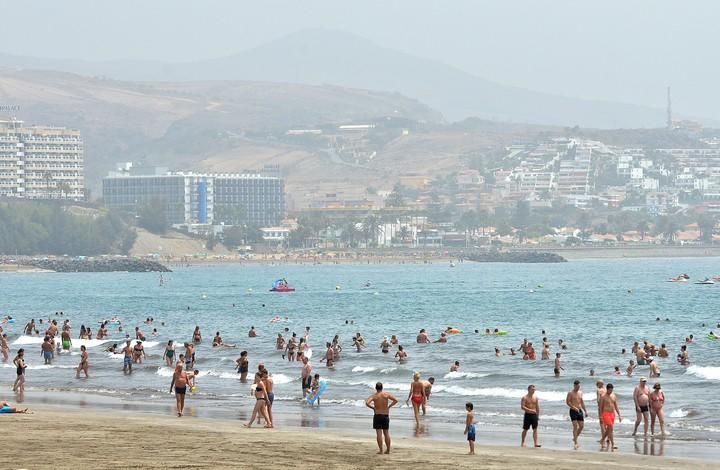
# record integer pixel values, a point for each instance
(404, 234)
(370, 230)
(668, 227)
(706, 225)
(350, 234)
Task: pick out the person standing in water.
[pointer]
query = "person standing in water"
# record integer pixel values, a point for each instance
(417, 395)
(170, 353)
(84, 365)
(575, 402)
(20, 366)
(558, 366)
(608, 409)
(381, 402)
(242, 364)
(657, 401)
(641, 397)
(127, 361)
(260, 408)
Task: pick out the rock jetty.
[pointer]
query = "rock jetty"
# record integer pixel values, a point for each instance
(495, 256)
(96, 265)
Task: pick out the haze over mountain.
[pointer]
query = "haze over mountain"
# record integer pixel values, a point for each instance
(183, 124)
(332, 57)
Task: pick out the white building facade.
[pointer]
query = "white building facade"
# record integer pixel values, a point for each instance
(41, 162)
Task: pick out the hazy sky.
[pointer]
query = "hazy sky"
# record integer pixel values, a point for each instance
(621, 50)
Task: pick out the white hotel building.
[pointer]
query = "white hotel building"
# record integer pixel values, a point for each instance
(41, 162)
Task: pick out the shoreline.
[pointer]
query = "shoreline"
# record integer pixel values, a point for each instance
(410, 256)
(327, 424)
(105, 439)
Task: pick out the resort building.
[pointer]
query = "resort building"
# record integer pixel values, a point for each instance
(250, 198)
(38, 162)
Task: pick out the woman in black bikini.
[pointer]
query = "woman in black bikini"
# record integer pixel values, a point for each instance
(261, 401)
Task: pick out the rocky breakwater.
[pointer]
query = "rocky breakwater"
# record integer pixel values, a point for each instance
(495, 256)
(97, 265)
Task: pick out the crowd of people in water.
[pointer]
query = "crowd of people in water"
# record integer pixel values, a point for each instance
(293, 347)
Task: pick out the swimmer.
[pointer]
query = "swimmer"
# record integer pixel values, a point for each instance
(329, 357)
(455, 366)
(252, 333)
(401, 355)
(422, 337)
(428, 384)
(654, 368)
(385, 345)
(242, 365)
(558, 365)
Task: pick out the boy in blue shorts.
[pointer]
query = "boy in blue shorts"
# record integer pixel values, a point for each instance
(470, 426)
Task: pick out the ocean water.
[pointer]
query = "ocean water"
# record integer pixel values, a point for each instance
(596, 307)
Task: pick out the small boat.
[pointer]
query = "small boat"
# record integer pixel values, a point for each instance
(281, 285)
(706, 282)
(680, 278)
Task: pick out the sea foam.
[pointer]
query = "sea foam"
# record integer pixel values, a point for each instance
(704, 372)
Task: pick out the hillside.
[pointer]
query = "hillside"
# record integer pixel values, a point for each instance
(180, 124)
(320, 57)
(173, 244)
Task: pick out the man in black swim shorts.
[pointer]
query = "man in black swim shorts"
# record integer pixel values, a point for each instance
(380, 403)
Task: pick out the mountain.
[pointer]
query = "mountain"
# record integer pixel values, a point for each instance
(181, 124)
(331, 57)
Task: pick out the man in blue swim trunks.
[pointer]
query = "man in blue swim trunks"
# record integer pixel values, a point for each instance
(47, 350)
(127, 361)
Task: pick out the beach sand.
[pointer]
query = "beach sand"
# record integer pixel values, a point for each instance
(86, 438)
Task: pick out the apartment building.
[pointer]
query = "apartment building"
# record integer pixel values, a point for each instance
(38, 162)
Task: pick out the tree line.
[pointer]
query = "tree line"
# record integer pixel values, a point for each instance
(50, 228)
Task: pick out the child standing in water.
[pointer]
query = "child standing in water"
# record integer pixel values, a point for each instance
(470, 426)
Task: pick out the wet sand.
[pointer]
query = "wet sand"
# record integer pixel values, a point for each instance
(55, 438)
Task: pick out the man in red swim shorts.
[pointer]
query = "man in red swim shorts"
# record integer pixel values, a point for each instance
(608, 408)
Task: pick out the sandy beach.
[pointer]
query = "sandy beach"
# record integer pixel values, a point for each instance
(98, 439)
